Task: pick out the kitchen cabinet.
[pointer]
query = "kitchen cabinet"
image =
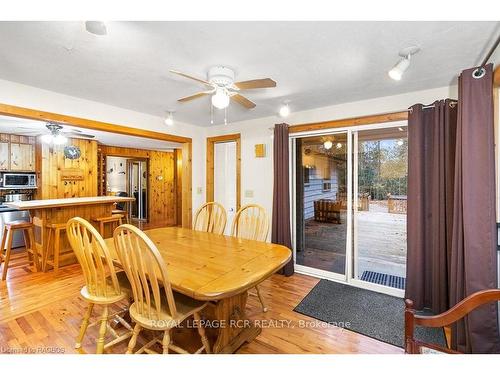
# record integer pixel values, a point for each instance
(22, 157)
(4, 156)
(17, 153)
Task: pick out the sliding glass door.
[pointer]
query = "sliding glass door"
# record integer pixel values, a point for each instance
(349, 204)
(321, 214)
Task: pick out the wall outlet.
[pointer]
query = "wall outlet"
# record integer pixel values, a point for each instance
(199, 190)
(248, 193)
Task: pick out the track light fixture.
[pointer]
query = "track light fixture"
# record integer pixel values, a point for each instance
(397, 71)
(285, 110)
(169, 120)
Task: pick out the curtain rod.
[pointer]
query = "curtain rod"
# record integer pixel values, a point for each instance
(490, 52)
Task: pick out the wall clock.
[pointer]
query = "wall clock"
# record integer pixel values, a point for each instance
(72, 152)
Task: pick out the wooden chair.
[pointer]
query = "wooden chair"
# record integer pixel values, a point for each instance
(445, 320)
(6, 245)
(252, 223)
(210, 217)
(154, 308)
(104, 286)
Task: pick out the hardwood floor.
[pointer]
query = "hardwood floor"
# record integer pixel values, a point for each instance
(41, 313)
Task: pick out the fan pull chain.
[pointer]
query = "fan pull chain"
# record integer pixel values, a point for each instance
(225, 116)
(211, 114)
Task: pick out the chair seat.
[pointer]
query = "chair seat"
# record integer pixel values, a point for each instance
(185, 305)
(56, 225)
(114, 217)
(126, 290)
(18, 224)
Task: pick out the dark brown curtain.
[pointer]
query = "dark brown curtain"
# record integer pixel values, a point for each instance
(431, 165)
(281, 193)
(473, 256)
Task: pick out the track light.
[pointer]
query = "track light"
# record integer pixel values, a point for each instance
(169, 120)
(220, 99)
(397, 71)
(284, 110)
(96, 27)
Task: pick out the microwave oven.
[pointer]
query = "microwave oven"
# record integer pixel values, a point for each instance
(18, 180)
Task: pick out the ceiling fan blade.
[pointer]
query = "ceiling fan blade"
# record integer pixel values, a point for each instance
(78, 134)
(255, 84)
(194, 96)
(191, 77)
(243, 101)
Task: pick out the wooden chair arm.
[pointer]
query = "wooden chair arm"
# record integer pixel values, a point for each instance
(458, 311)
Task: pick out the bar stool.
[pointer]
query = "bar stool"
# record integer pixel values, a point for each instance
(121, 212)
(29, 242)
(53, 256)
(115, 220)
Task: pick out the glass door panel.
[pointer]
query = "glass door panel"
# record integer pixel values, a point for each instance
(321, 202)
(380, 192)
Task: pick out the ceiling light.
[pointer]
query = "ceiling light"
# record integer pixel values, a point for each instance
(328, 145)
(397, 71)
(400, 142)
(401, 129)
(220, 99)
(96, 27)
(60, 139)
(284, 110)
(47, 138)
(339, 145)
(169, 120)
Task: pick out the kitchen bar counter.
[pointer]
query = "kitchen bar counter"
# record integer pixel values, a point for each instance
(59, 211)
(66, 202)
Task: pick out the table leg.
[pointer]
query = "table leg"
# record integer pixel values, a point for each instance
(235, 328)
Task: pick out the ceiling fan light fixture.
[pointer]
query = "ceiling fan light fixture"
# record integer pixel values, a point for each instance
(96, 27)
(285, 110)
(328, 145)
(220, 99)
(60, 139)
(47, 138)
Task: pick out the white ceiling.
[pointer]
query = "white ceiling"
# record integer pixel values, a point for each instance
(314, 63)
(20, 126)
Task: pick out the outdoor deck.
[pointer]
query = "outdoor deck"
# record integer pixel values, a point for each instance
(381, 242)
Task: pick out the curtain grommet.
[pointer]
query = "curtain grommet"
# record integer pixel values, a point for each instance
(478, 73)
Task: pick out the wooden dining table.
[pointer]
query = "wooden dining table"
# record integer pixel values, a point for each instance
(220, 269)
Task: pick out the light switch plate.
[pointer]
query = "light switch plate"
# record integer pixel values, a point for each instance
(248, 193)
(199, 190)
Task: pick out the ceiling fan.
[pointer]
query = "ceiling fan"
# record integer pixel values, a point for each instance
(56, 133)
(220, 81)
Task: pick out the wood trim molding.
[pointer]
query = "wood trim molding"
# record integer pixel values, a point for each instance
(211, 141)
(11, 110)
(496, 77)
(353, 121)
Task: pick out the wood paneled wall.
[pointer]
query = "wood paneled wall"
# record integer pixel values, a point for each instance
(51, 165)
(162, 180)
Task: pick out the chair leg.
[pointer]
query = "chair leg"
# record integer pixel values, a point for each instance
(47, 250)
(2, 245)
(85, 324)
(166, 342)
(261, 299)
(57, 242)
(31, 238)
(133, 339)
(102, 330)
(202, 333)
(7, 254)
